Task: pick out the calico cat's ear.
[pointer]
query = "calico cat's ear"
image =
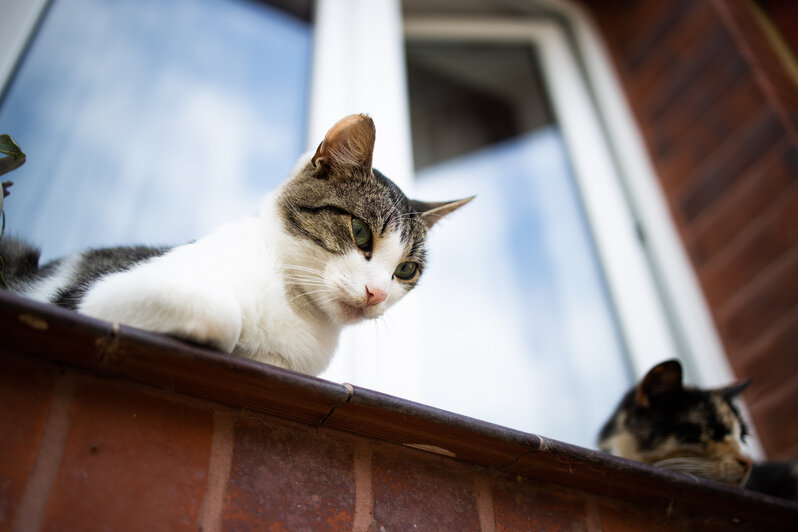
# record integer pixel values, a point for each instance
(348, 144)
(733, 390)
(431, 212)
(664, 378)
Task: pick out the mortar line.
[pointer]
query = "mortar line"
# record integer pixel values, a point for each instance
(364, 491)
(219, 465)
(484, 494)
(33, 504)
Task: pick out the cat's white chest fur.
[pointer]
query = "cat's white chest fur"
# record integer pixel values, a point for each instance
(225, 290)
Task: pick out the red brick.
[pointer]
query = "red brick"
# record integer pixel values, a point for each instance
(132, 461)
(749, 199)
(694, 48)
(693, 135)
(678, 134)
(721, 169)
(634, 18)
(668, 21)
(618, 516)
(772, 295)
(26, 389)
(784, 15)
(523, 504)
(414, 490)
(776, 420)
(771, 360)
(287, 476)
(755, 250)
(692, 37)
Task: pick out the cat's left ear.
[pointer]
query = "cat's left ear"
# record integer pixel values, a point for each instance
(733, 390)
(663, 379)
(431, 212)
(348, 144)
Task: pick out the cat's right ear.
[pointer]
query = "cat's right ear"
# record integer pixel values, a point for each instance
(349, 144)
(664, 378)
(431, 212)
(733, 390)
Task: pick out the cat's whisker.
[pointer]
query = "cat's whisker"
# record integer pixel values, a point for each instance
(310, 293)
(412, 217)
(301, 268)
(393, 208)
(305, 281)
(311, 275)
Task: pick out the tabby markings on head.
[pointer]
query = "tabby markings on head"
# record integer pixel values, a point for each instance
(369, 238)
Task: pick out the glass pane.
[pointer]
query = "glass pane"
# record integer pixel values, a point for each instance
(153, 121)
(516, 317)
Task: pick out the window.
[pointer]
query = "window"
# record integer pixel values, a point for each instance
(163, 119)
(535, 124)
(541, 302)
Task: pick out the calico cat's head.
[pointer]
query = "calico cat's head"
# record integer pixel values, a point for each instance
(359, 241)
(681, 428)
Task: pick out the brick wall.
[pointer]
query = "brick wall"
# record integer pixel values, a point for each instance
(84, 452)
(718, 108)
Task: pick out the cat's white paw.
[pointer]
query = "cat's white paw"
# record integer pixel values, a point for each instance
(211, 319)
(199, 315)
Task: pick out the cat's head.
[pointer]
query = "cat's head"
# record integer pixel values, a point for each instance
(359, 242)
(664, 423)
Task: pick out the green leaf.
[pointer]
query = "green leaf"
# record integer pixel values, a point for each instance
(14, 158)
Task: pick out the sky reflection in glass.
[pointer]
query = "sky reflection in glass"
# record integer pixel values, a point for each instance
(514, 308)
(153, 121)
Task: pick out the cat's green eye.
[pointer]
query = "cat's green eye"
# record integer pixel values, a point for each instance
(362, 234)
(406, 270)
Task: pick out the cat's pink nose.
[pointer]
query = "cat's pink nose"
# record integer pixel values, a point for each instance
(374, 296)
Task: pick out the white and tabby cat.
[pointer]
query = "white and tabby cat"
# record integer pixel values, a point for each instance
(337, 243)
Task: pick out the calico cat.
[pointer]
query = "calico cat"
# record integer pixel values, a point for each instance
(664, 423)
(337, 243)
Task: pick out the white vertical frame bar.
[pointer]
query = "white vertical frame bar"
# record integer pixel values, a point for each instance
(642, 320)
(359, 67)
(18, 19)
